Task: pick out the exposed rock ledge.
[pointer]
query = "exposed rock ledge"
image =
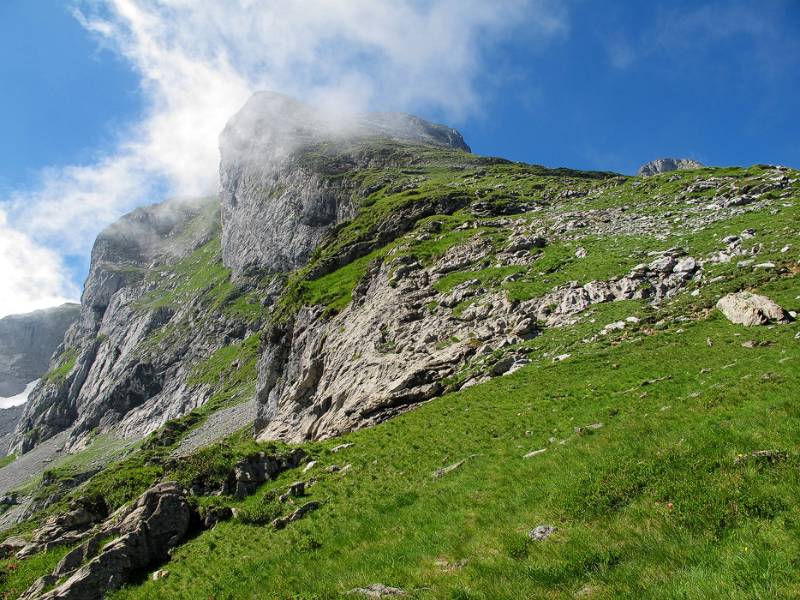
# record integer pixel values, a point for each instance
(665, 165)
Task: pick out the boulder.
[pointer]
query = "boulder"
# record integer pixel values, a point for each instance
(541, 532)
(12, 545)
(298, 514)
(66, 528)
(745, 308)
(665, 264)
(686, 265)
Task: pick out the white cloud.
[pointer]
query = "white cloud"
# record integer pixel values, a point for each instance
(199, 61)
(32, 276)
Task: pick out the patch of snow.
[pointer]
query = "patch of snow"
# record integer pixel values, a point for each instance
(20, 398)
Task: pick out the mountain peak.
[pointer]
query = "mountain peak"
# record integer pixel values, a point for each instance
(665, 165)
(272, 126)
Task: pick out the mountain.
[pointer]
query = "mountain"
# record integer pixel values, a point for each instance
(667, 165)
(168, 285)
(378, 364)
(27, 342)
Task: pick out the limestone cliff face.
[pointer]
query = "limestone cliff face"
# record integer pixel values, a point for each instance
(28, 341)
(158, 302)
(281, 188)
(400, 343)
(667, 165)
(125, 362)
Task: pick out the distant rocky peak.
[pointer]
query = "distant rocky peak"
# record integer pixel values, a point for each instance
(27, 342)
(665, 165)
(146, 235)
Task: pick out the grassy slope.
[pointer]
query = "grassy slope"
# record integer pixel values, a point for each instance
(652, 504)
(730, 532)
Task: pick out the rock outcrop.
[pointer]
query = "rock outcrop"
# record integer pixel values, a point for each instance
(142, 534)
(398, 342)
(66, 528)
(745, 308)
(281, 184)
(109, 549)
(27, 343)
(665, 165)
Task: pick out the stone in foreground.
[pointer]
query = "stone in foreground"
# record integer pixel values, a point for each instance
(745, 308)
(143, 534)
(541, 533)
(378, 590)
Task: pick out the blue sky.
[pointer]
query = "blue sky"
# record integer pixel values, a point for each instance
(62, 95)
(109, 105)
(631, 81)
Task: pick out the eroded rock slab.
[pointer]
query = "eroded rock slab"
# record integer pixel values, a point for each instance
(748, 309)
(145, 532)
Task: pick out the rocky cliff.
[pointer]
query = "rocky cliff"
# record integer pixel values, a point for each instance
(27, 343)
(283, 170)
(354, 267)
(176, 290)
(667, 165)
(145, 320)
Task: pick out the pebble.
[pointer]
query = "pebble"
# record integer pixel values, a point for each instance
(535, 453)
(340, 447)
(378, 590)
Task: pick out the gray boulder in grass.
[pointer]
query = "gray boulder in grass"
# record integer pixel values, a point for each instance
(745, 308)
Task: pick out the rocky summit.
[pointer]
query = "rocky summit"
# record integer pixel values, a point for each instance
(667, 165)
(378, 365)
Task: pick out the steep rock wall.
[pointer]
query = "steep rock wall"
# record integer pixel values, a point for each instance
(27, 343)
(125, 364)
(282, 184)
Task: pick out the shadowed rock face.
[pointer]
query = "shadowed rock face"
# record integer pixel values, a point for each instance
(9, 417)
(665, 165)
(279, 187)
(107, 376)
(28, 341)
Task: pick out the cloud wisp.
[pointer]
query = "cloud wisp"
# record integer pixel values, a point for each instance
(31, 273)
(686, 34)
(199, 61)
